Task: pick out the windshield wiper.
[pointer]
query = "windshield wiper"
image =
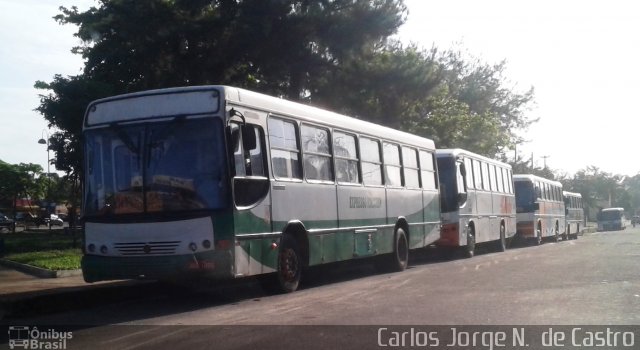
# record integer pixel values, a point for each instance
(125, 138)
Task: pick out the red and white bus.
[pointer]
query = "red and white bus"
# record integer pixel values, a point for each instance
(477, 202)
(574, 214)
(540, 207)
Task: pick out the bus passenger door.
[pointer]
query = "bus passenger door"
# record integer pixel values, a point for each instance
(251, 196)
(466, 196)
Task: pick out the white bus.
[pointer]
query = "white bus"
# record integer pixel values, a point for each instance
(476, 200)
(611, 219)
(221, 182)
(574, 217)
(540, 208)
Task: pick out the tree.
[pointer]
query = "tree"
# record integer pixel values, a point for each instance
(437, 95)
(19, 181)
(279, 47)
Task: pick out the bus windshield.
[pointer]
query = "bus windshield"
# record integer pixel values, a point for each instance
(179, 165)
(525, 196)
(607, 215)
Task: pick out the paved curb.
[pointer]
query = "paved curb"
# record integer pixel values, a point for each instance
(39, 272)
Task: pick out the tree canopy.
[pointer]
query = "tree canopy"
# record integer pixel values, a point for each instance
(336, 54)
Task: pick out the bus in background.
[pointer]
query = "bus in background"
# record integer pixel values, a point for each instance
(611, 219)
(476, 200)
(540, 208)
(220, 182)
(574, 217)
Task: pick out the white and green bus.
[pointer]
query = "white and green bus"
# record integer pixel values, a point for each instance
(220, 182)
(476, 200)
(540, 208)
(574, 214)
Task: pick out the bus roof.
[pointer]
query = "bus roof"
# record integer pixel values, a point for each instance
(531, 178)
(613, 209)
(455, 152)
(194, 98)
(312, 114)
(571, 194)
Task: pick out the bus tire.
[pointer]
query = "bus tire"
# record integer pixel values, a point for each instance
(290, 265)
(502, 241)
(399, 258)
(400, 251)
(470, 248)
(538, 238)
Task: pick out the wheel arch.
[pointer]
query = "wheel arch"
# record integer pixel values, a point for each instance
(298, 231)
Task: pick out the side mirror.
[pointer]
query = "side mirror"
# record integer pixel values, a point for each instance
(462, 198)
(249, 137)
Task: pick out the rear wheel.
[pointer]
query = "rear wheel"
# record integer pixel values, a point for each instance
(502, 242)
(538, 239)
(470, 249)
(399, 259)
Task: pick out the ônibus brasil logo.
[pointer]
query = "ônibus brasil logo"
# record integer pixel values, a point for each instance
(25, 337)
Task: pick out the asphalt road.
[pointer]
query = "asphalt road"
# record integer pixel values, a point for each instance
(590, 281)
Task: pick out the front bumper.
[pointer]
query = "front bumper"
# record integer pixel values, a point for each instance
(212, 264)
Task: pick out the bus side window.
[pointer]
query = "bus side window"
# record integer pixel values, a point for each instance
(410, 167)
(469, 176)
(427, 170)
(317, 153)
(392, 166)
(285, 150)
(370, 161)
(346, 158)
(477, 175)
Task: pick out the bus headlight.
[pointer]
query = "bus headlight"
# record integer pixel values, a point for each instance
(91, 247)
(103, 249)
(206, 244)
(193, 247)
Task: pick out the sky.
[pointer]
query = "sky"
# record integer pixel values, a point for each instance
(581, 57)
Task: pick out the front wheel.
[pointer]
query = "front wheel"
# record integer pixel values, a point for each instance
(289, 265)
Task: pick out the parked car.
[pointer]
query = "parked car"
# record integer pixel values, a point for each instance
(6, 224)
(27, 219)
(54, 219)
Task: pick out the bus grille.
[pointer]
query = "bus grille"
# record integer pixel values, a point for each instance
(147, 248)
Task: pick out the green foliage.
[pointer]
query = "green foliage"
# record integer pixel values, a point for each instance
(68, 259)
(54, 251)
(600, 190)
(25, 242)
(20, 181)
(331, 53)
(277, 47)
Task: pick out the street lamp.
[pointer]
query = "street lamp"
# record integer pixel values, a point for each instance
(44, 141)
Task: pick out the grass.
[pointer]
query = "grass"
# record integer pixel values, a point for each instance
(54, 251)
(67, 259)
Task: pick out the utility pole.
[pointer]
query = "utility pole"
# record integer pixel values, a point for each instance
(545, 160)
